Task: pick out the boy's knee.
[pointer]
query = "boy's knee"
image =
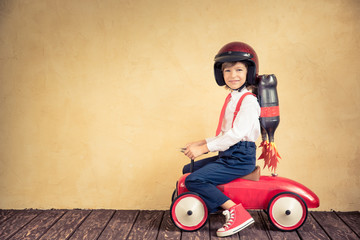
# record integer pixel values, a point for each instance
(190, 181)
(186, 169)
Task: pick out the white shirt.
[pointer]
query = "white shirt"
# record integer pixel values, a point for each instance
(246, 125)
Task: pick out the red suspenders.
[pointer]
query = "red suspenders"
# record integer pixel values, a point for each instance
(218, 130)
(239, 105)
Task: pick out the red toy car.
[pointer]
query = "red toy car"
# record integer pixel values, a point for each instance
(286, 202)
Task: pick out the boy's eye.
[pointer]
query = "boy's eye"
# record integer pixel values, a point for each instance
(227, 70)
(239, 69)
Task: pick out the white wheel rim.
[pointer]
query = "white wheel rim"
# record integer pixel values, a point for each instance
(187, 204)
(289, 205)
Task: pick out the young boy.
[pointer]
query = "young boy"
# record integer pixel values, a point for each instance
(236, 66)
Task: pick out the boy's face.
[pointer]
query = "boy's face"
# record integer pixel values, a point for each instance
(235, 76)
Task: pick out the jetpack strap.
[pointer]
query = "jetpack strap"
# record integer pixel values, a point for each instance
(237, 109)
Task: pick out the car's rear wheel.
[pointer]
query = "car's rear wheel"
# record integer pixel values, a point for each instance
(287, 211)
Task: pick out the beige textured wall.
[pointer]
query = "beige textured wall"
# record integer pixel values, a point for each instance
(96, 97)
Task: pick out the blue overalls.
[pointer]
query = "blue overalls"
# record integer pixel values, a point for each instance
(239, 160)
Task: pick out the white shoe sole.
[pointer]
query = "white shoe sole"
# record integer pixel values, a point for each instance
(237, 229)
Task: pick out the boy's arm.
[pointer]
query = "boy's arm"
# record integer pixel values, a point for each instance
(197, 143)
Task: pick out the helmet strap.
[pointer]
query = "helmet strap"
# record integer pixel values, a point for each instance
(240, 88)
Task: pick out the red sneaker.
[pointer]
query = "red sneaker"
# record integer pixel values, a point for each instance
(237, 218)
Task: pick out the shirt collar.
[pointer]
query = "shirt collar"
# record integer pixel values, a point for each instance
(237, 93)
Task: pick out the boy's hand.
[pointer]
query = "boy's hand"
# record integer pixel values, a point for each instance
(194, 151)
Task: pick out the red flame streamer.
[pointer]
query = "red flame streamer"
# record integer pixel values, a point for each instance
(270, 155)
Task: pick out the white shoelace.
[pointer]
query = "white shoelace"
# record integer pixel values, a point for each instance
(229, 216)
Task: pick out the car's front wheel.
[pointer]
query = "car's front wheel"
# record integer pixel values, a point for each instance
(189, 212)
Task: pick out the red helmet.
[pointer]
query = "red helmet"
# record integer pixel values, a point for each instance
(236, 52)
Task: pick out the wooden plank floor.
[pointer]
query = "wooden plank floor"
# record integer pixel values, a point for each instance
(135, 224)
